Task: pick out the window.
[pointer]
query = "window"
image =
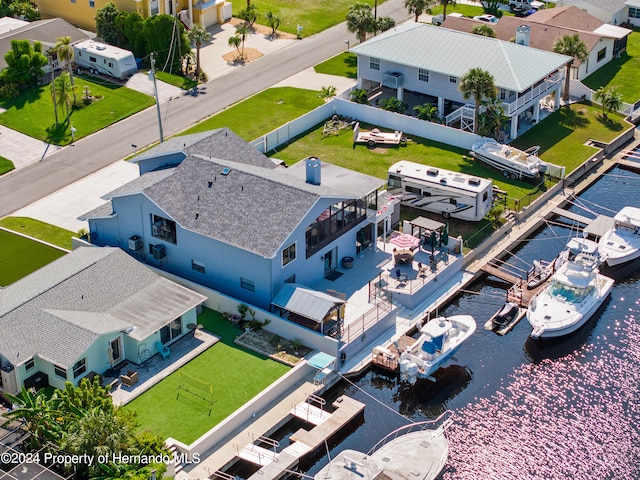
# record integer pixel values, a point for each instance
(79, 367)
(602, 53)
(73, 1)
(171, 331)
(29, 364)
(453, 79)
(374, 63)
(163, 228)
(92, 59)
(503, 94)
(411, 189)
(92, 4)
(485, 196)
(423, 75)
(247, 284)
(197, 266)
(60, 372)
(634, 12)
(289, 254)
(395, 181)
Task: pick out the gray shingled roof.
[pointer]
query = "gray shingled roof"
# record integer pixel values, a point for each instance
(58, 311)
(44, 31)
(450, 52)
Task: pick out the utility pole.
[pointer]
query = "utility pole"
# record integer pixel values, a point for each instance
(50, 53)
(152, 76)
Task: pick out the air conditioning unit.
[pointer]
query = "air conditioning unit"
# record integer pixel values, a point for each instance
(135, 243)
(158, 252)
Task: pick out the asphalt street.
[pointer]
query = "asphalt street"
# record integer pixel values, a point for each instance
(26, 185)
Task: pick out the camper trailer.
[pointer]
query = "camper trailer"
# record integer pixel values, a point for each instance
(103, 58)
(451, 194)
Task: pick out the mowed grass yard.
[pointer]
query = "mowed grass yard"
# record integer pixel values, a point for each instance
(312, 15)
(32, 112)
(235, 374)
(621, 73)
(40, 230)
(20, 256)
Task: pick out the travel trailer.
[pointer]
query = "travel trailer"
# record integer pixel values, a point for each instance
(106, 59)
(451, 194)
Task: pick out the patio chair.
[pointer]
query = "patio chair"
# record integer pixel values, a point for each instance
(130, 379)
(163, 349)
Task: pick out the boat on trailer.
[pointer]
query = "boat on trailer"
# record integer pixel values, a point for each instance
(509, 160)
(417, 451)
(439, 339)
(621, 243)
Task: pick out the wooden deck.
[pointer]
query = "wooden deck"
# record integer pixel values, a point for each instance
(388, 357)
(501, 274)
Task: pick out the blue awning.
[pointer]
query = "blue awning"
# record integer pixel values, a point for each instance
(321, 360)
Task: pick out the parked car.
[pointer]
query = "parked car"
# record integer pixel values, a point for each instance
(488, 18)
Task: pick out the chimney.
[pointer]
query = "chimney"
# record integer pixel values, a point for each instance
(523, 32)
(313, 170)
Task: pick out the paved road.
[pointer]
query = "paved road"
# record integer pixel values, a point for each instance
(24, 186)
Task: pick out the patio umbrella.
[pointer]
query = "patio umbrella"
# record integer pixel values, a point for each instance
(444, 236)
(405, 241)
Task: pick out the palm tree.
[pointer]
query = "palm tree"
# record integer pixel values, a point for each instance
(197, 36)
(360, 95)
(445, 4)
(492, 118)
(64, 49)
(40, 415)
(609, 98)
(417, 7)
(574, 47)
(360, 20)
(479, 84)
(273, 21)
(235, 42)
(327, 93)
(64, 92)
(242, 31)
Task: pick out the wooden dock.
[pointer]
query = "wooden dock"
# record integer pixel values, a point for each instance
(580, 219)
(276, 465)
(501, 274)
(388, 357)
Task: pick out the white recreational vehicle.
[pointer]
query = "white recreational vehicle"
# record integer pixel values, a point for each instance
(103, 58)
(451, 194)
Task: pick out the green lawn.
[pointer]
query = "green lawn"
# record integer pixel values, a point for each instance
(344, 65)
(562, 135)
(621, 73)
(263, 112)
(32, 112)
(312, 15)
(176, 80)
(21, 256)
(236, 374)
(40, 230)
(6, 165)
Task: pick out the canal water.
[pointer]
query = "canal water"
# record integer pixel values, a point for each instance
(523, 409)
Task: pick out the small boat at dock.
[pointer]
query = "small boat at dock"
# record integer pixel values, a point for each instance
(505, 318)
(439, 339)
(539, 274)
(414, 452)
(621, 243)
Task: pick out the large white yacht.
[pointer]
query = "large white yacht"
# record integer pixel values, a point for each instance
(622, 242)
(572, 296)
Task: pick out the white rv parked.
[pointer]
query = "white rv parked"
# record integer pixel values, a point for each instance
(451, 194)
(103, 58)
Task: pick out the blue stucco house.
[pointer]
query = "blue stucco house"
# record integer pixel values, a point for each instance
(210, 208)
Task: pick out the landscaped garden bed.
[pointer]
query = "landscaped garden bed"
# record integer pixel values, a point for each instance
(273, 346)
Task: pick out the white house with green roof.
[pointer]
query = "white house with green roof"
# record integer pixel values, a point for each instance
(88, 311)
(430, 60)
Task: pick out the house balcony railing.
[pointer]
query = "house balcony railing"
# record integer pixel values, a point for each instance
(465, 114)
(526, 100)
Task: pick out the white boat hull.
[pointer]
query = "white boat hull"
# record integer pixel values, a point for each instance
(621, 244)
(510, 161)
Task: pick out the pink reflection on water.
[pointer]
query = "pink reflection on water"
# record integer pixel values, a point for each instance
(577, 417)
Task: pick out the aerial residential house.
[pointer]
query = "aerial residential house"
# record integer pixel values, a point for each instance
(87, 312)
(82, 12)
(210, 208)
(616, 12)
(427, 60)
(543, 28)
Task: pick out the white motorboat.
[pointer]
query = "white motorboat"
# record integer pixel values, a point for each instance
(413, 452)
(439, 339)
(621, 243)
(510, 161)
(504, 319)
(572, 296)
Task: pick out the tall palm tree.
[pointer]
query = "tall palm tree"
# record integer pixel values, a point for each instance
(64, 49)
(242, 31)
(445, 4)
(235, 42)
(417, 7)
(492, 118)
(198, 35)
(64, 92)
(479, 84)
(360, 20)
(572, 46)
(609, 98)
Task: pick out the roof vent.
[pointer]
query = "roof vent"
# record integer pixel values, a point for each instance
(101, 47)
(474, 181)
(443, 180)
(432, 171)
(210, 184)
(226, 171)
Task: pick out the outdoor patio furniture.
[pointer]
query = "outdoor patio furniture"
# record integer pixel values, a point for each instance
(403, 255)
(130, 379)
(163, 350)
